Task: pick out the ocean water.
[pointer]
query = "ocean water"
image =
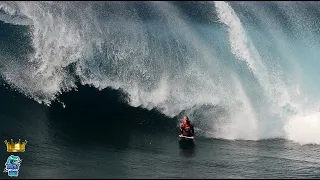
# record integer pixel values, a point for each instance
(98, 88)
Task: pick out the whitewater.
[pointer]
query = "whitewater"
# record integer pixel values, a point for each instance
(240, 70)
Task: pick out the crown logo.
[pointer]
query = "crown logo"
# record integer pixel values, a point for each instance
(15, 147)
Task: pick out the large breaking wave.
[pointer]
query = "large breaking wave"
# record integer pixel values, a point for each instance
(240, 70)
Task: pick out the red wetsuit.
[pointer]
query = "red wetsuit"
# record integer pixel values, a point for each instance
(186, 129)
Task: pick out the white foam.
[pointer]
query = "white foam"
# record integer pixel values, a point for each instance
(242, 122)
(304, 129)
(243, 48)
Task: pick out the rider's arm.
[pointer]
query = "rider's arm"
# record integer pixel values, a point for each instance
(192, 130)
(181, 126)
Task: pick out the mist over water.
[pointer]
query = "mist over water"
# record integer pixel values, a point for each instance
(240, 70)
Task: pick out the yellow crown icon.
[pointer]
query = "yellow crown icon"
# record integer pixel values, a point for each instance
(15, 147)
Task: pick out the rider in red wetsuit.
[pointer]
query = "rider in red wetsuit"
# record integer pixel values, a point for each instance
(186, 128)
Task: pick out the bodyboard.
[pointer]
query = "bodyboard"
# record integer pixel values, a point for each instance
(186, 137)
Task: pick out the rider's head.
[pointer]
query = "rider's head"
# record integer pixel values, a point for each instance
(186, 119)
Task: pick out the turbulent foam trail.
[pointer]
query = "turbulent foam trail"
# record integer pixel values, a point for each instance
(247, 72)
(243, 48)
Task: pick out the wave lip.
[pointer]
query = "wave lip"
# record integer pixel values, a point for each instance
(9, 13)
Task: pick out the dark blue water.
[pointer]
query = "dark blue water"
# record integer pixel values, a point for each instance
(83, 141)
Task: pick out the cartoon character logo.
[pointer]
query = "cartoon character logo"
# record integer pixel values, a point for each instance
(13, 165)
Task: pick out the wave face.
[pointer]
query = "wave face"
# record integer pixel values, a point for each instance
(240, 70)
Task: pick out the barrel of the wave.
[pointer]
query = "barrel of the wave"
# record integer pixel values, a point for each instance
(13, 162)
